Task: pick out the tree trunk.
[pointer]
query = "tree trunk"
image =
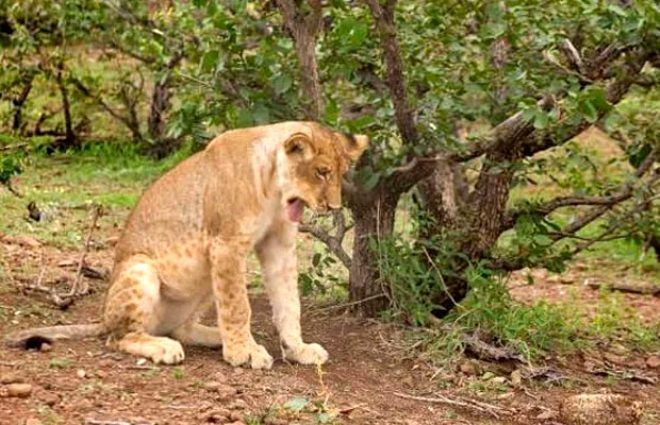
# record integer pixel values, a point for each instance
(160, 103)
(69, 135)
(305, 49)
(18, 105)
(374, 218)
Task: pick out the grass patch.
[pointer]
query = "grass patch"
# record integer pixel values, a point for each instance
(534, 330)
(63, 185)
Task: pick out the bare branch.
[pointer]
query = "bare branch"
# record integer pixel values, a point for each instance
(405, 115)
(130, 120)
(334, 243)
(304, 29)
(572, 55)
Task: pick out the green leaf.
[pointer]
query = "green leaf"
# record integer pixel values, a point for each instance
(296, 404)
(282, 83)
(540, 120)
(589, 111)
(371, 181)
(316, 259)
(209, 61)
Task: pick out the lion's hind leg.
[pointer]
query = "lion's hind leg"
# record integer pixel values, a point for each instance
(192, 332)
(131, 314)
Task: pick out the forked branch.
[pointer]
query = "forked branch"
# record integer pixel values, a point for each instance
(333, 242)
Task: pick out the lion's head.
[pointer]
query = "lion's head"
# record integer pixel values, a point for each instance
(315, 164)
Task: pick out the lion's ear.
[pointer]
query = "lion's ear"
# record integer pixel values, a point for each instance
(299, 145)
(355, 145)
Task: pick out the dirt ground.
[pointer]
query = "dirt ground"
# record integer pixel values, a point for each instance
(370, 378)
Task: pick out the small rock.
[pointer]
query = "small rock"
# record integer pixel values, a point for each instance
(45, 347)
(653, 362)
(616, 359)
(236, 415)
(223, 390)
(516, 378)
(600, 409)
(49, 398)
(499, 380)
(211, 385)
(408, 381)
(275, 421)
(32, 421)
(19, 390)
(81, 373)
(107, 363)
(469, 367)
(101, 374)
(238, 404)
(235, 423)
(10, 378)
(214, 416)
(547, 415)
(141, 361)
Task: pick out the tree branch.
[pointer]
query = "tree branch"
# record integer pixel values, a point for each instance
(304, 29)
(129, 121)
(604, 203)
(404, 114)
(334, 243)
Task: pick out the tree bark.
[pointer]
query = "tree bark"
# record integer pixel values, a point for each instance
(304, 28)
(69, 135)
(374, 220)
(18, 103)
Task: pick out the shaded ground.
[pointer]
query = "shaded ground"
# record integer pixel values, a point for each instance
(367, 380)
(374, 376)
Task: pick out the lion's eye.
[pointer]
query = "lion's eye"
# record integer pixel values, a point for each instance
(323, 173)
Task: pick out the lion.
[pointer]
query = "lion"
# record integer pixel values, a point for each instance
(185, 244)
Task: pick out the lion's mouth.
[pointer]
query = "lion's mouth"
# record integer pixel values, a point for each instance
(294, 209)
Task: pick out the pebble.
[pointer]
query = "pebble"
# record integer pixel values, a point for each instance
(499, 380)
(45, 347)
(653, 362)
(469, 367)
(516, 378)
(49, 398)
(32, 421)
(10, 378)
(81, 373)
(214, 416)
(19, 390)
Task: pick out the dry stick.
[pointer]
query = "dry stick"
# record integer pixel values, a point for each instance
(349, 304)
(77, 282)
(642, 288)
(465, 403)
(89, 421)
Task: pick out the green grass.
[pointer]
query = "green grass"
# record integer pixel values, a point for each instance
(64, 184)
(534, 330)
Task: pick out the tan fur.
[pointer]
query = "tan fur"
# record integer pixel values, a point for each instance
(185, 244)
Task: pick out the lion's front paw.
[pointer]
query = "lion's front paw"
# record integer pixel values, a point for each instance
(238, 354)
(166, 351)
(307, 354)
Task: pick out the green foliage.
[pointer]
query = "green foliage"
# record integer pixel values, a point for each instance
(320, 276)
(10, 165)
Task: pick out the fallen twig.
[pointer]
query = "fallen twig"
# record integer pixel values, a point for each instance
(79, 286)
(637, 288)
(89, 421)
(462, 402)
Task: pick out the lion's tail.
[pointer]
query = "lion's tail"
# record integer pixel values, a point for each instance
(33, 338)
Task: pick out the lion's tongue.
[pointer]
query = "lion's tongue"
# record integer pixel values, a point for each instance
(294, 210)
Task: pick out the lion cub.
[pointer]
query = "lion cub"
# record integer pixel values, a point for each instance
(185, 245)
